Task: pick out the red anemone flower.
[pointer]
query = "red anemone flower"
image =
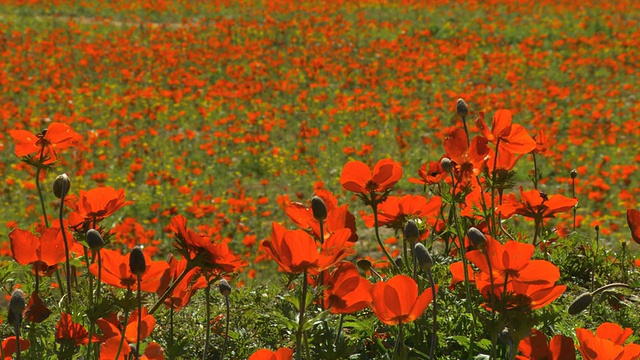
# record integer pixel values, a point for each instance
(58, 136)
(94, 205)
(36, 311)
(266, 354)
(182, 293)
(509, 137)
(338, 217)
(633, 220)
(607, 343)
(468, 159)
(191, 245)
(346, 291)
(394, 211)
(296, 251)
(357, 177)
(69, 331)
(9, 346)
(430, 173)
(112, 332)
(535, 204)
(43, 252)
(535, 347)
(397, 301)
(115, 271)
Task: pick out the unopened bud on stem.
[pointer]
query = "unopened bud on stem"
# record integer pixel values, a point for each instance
(137, 263)
(477, 238)
(94, 240)
(411, 231)
(319, 208)
(61, 186)
(224, 287)
(424, 258)
(446, 165)
(462, 109)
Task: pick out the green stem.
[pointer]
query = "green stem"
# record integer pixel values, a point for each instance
(124, 328)
(492, 225)
(399, 341)
(16, 329)
(535, 171)
(339, 332)
(171, 288)
(434, 334)
(374, 208)
(226, 331)
(139, 318)
(44, 209)
(66, 242)
(207, 320)
(303, 305)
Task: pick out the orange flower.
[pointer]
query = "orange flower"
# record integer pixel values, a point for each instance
(36, 310)
(509, 137)
(397, 301)
(535, 347)
(112, 333)
(295, 251)
(430, 173)
(57, 136)
(338, 217)
(68, 331)
(607, 343)
(633, 220)
(357, 177)
(43, 253)
(266, 354)
(346, 291)
(468, 159)
(535, 204)
(182, 293)
(115, 271)
(9, 346)
(216, 256)
(94, 205)
(457, 274)
(394, 212)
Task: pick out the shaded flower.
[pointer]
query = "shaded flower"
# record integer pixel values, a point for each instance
(345, 290)
(535, 347)
(182, 293)
(74, 333)
(9, 346)
(43, 252)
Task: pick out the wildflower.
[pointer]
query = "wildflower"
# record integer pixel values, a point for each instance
(43, 252)
(633, 220)
(512, 138)
(397, 301)
(357, 177)
(57, 136)
(346, 291)
(535, 347)
(116, 272)
(93, 206)
(535, 205)
(68, 331)
(266, 354)
(606, 343)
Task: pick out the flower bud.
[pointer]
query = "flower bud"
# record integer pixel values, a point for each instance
(477, 238)
(446, 165)
(94, 240)
(580, 303)
(17, 304)
(61, 186)
(318, 208)
(411, 231)
(224, 287)
(364, 264)
(399, 261)
(461, 108)
(574, 173)
(137, 263)
(424, 258)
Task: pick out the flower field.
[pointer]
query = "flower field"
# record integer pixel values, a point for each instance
(320, 179)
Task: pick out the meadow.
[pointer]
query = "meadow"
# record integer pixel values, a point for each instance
(334, 179)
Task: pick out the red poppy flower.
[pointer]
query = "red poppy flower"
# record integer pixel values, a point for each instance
(43, 252)
(607, 343)
(509, 137)
(69, 331)
(147, 323)
(535, 347)
(512, 262)
(397, 300)
(9, 346)
(216, 256)
(357, 177)
(430, 173)
(94, 205)
(633, 220)
(468, 159)
(36, 311)
(57, 137)
(394, 212)
(296, 251)
(535, 205)
(346, 291)
(338, 217)
(115, 271)
(457, 274)
(182, 293)
(112, 332)
(266, 354)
